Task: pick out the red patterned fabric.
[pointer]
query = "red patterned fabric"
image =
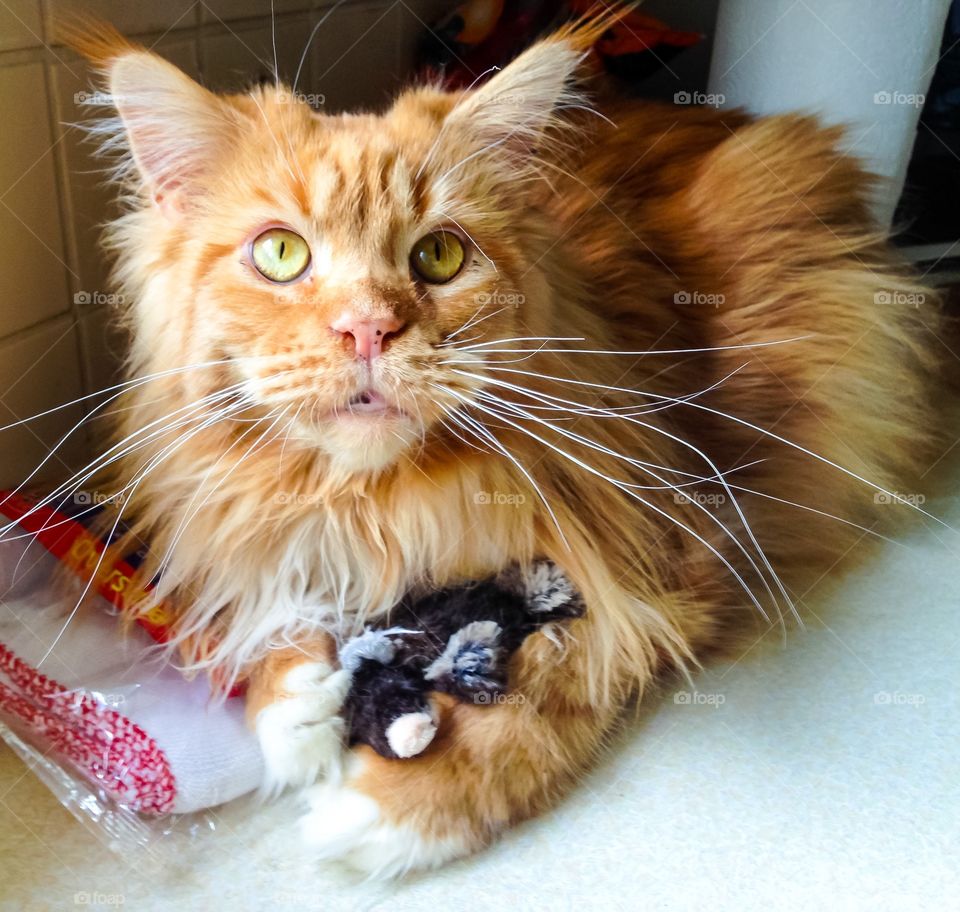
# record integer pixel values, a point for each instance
(103, 743)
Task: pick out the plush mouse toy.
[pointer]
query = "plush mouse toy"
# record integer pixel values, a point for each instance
(457, 641)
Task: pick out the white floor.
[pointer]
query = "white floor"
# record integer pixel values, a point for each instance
(820, 775)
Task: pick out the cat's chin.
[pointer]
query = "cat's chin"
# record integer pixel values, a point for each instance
(365, 443)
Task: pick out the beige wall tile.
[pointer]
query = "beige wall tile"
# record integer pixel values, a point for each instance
(229, 10)
(129, 16)
(416, 16)
(90, 198)
(33, 283)
(234, 58)
(356, 56)
(20, 24)
(39, 370)
(103, 345)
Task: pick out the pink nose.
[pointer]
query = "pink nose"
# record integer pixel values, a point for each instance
(368, 335)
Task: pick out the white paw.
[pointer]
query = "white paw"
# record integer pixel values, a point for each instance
(347, 826)
(301, 736)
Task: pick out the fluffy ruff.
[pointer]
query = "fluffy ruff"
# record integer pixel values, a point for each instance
(680, 363)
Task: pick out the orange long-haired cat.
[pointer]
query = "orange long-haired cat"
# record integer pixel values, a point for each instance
(663, 347)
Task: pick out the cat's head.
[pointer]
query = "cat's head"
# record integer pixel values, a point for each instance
(332, 265)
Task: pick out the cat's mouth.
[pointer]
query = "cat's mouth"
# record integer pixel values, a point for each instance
(369, 403)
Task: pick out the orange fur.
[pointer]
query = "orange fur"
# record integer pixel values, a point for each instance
(267, 679)
(581, 229)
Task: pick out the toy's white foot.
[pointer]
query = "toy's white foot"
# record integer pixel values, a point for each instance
(408, 735)
(345, 825)
(301, 735)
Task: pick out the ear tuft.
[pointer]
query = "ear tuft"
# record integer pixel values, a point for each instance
(174, 128)
(98, 41)
(583, 33)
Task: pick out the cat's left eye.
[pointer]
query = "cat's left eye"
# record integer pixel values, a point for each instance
(437, 257)
(280, 255)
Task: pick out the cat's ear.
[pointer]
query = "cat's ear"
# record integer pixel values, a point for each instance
(515, 108)
(174, 128)
(518, 105)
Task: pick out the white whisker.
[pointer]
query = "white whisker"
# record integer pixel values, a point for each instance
(474, 321)
(485, 432)
(522, 339)
(767, 433)
(638, 463)
(187, 519)
(98, 463)
(718, 476)
(633, 494)
(639, 354)
(124, 386)
(470, 238)
(460, 437)
(132, 486)
(74, 483)
(313, 34)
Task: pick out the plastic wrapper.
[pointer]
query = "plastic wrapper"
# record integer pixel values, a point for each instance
(126, 743)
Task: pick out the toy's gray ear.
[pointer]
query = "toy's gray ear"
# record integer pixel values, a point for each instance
(548, 590)
(469, 662)
(375, 645)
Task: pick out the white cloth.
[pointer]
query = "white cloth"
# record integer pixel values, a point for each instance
(202, 753)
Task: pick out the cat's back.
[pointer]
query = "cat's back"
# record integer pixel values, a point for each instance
(688, 183)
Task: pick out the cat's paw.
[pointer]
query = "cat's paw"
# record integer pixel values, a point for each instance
(302, 734)
(348, 824)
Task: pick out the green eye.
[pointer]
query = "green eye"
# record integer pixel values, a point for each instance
(280, 255)
(437, 257)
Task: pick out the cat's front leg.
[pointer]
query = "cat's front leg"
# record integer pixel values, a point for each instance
(294, 704)
(489, 766)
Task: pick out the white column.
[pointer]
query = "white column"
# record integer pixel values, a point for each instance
(864, 63)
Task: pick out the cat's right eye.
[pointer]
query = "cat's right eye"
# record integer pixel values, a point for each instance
(280, 255)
